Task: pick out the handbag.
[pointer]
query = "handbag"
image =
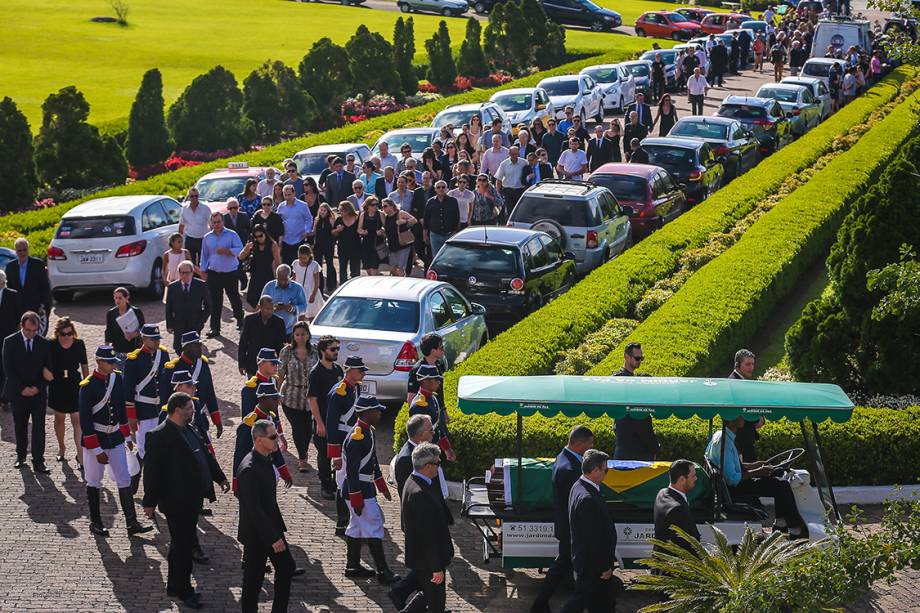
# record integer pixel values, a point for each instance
(406, 237)
(382, 250)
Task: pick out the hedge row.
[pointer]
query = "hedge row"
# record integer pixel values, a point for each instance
(531, 347)
(726, 302)
(38, 226)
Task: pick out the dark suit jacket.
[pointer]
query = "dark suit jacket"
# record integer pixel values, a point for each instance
(594, 538)
(185, 312)
(630, 132)
(261, 523)
(747, 436)
(10, 312)
(256, 335)
(403, 469)
(639, 156)
(546, 172)
(380, 188)
(23, 368)
(718, 58)
(37, 290)
(241, 227)
(171, 478)
(645, 118)
(598, 156)
(635, 438)
(566, 472)
(336, 190)
(672, 509)
(426, 526)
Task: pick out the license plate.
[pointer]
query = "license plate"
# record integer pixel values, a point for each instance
(369, 387)
(92, 258)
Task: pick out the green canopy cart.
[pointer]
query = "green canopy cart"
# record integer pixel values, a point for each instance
(512, 505)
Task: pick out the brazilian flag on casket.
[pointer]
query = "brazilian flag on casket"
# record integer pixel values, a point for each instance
(630, 482)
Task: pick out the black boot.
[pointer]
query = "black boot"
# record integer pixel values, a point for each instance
(136, 479)
(127, 507)
(353, 567)
(95, 517)
(342, 516)
(384, 574)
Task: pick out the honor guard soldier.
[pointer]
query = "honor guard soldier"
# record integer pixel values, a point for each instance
(340, 417)
(363, 480)
(105, 428)
(143, 369)
(266, 371)
(267, 400)
(197, 365)
(426, 403)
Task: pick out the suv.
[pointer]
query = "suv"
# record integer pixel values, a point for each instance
(581, 13)
(578, 91)
(459, 114)
(448, 8)
(763, 116)
(585, 218)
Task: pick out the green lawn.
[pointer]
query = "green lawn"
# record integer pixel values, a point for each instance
(49, 44)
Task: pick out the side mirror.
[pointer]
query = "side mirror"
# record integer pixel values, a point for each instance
(682, 186)
(627, 210)
(569, 255)
(477, 308)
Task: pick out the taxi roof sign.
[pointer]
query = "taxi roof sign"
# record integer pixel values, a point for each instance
(237, 165)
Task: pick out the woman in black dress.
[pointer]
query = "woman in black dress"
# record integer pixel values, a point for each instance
(123, 341)
(267, 217)
(370, 229)
(615, 133)
(537, 130)
(264, 257)
(324, 244)
(311, 196)
(69, 366)
(667, 115)
(345, 230)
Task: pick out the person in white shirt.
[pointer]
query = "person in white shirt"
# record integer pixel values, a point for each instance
(702, 59)
(386, 158)
(306, 271)
(509, 178)
(266, 185)
(697, 86)
(573, 162)
(464, 197)
(491, 158)
(194, 223)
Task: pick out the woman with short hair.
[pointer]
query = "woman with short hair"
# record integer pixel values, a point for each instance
(69, 366)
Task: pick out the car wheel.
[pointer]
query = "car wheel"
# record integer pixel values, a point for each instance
(640, 32)
(155, 288)
(675, 36)
(629, 242)
(63, 295)
(480, 8)
(404, 7)
(447, 12)
(597, 25)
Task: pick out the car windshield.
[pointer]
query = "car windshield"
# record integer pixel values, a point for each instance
(676, 17)
(667, 56)
(419, 141)
(638, 70)
(514, 102)
(569, 87)
(783, 95)
(469, 258)
(589, 5)
(699, 129)
(624, 187)
(379, 314)
(572, 213)
(311, 163)
(816, 69)
(219, 189)
(455, 118)
(95, 227)
(742, 111)
(603, 75)
(669, 157)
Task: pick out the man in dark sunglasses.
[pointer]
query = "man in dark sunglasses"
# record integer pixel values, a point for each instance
(635, 435)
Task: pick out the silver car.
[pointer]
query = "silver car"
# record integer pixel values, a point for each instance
(616, 83)
(111, 242)
(383, 319)
(311, 162)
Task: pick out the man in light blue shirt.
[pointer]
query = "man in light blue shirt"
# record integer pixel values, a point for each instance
(750, 481)
(298, 224)
(220, 250)
(289, 297)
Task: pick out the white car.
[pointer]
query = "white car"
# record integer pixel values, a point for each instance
(417, 138)
(578, 91)
(820, 68)
(524, 104)
(111, 242)
(311, 162)
(818, 90)
(616, 84)
(459, 114)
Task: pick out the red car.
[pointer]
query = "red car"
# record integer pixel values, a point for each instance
(716, 23)
(694, 14)
(651, 192)
(666, 24)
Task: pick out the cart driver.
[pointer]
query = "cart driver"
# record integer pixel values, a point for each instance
(754, 479)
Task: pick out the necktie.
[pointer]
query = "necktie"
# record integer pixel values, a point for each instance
(185, 287)
(29, 345)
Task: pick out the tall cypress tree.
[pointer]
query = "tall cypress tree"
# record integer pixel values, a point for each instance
(404, 51)
(441, 68)
(18, 180)
(472, 60)
(148, 138)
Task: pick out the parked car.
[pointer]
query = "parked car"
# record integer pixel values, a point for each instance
(109, 242)
(641, 71)
(798, 103)
(818, 90)
(649, 193)
(459, 114)
(418, 139)
(701, 40)
(692, 162)
(734, 146)
(716, 23)
(7, 255)
(448, 8)
(820, 68)
(616, 83)
(312, 161)
(762, 116)
(578, 91)
(693, 13)
(584, 218)
(756, 26)
(751, 35)
(483, 6)
(840, 33)
(581, 13)
(524, 104)
(669, 57)
(666, 24)
(215, 187)
(383, 319)
(510, 271)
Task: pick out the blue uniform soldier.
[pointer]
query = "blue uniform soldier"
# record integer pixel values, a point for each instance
(267, 370)
(363, 480)
(191, 360)
(268, 399)
(340, 417)
(426, 403)
(105, 428)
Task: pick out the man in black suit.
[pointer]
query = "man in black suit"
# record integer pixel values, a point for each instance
(718, 62)
(10, 312)
(536, 171)
(27, 365)
(635, 437)
(239, 224)
(187, 305)
(385, 185)
(261, 528)
(419, 430)
(260, 329)
(29, 277)
(426, 524)
(179, 474)
(672, 508)
(600, 149)
(637, 155)
(338, 183)
(643, 112)
(594, 539)
(566, 472)
(633, 130)
(746, 438)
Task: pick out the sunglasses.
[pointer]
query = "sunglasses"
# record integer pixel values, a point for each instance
(258, 236)
(194, 197)
(272, 436)
(233, 208)
(333, 349)
(71, 333)
(638, 358)
(292, 170)
(266, 204)
(438, 463)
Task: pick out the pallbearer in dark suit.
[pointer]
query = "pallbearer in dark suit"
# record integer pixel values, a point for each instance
(672, 508)
(566, 472)
(188, 305)
(10, 312)
(267, 400)
(746, 438)
(178, 476)
(594, 539)
(636, 439)
(426, 524)
(600, 149)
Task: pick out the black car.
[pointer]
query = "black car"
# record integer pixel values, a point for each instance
(510, 271)
(581, 13)
(483, 6)
(692, 162)
(762, 116)
(733, 144)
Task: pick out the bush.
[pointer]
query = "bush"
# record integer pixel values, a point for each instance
(472, 60)
(209, 114)
(18, 180)
(597, 346)
(148, 138)
(507, 41)
(324, 75)
(441, 68)
(404, 52)
(372, 64)
(275, 103)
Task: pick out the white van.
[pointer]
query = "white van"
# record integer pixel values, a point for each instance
(841, 34)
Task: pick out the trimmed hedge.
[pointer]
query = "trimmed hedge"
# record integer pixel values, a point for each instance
(531, 347)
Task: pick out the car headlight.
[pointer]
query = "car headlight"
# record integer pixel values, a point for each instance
(608, 18)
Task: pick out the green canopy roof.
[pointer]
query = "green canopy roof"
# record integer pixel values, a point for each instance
(657, 396)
